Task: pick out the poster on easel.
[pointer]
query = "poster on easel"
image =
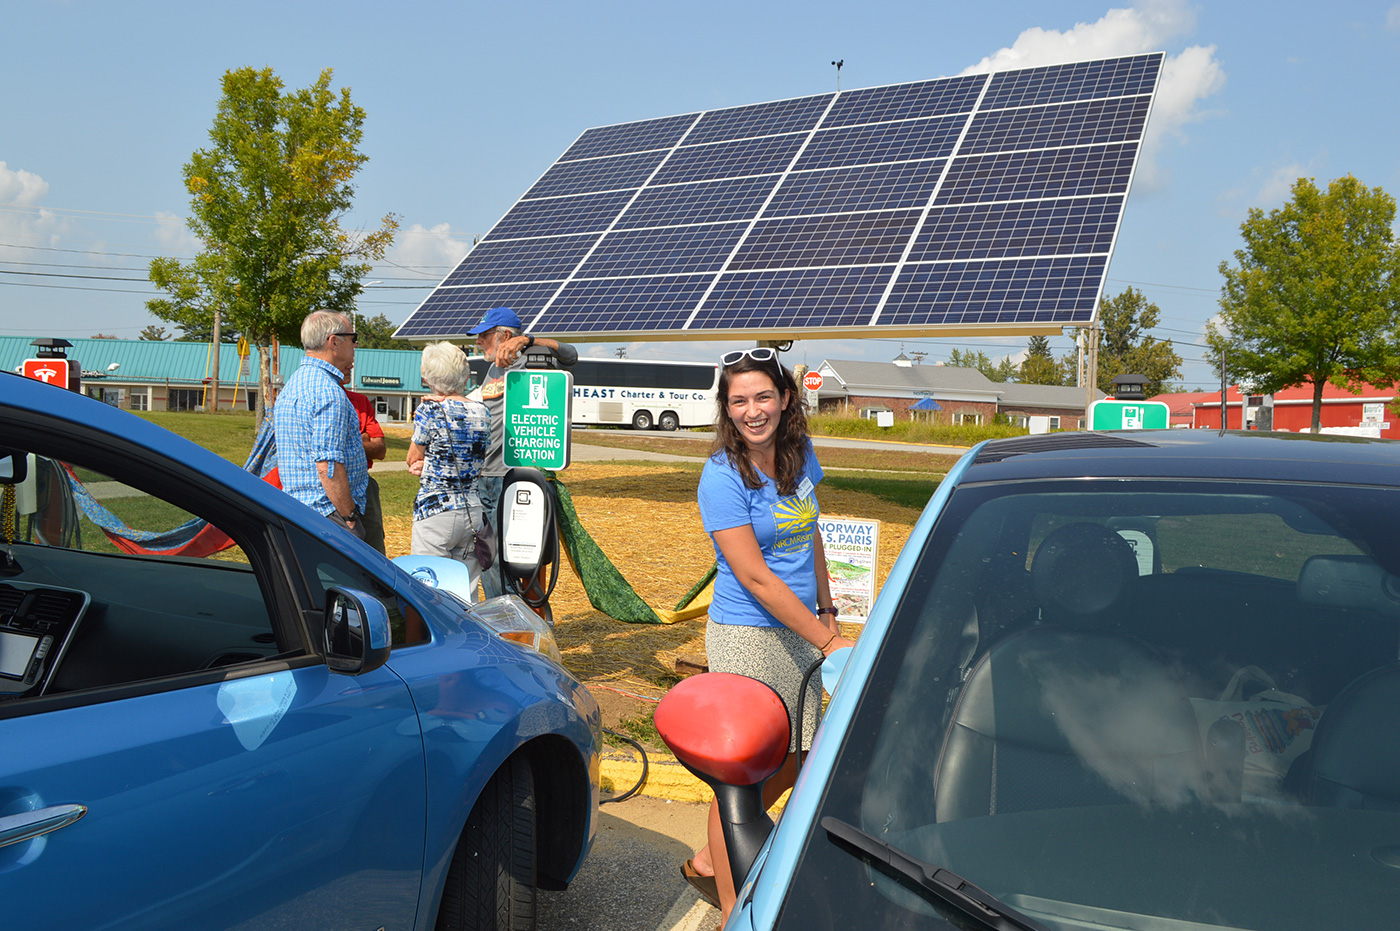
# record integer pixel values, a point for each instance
(852, 550)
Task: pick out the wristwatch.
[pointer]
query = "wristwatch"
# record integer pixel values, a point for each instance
(529, 341)
(832, 611)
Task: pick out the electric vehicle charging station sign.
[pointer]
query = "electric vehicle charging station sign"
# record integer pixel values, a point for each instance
(537, 412)
(1129, 415)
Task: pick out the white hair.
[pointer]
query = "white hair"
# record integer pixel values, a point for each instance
(444, 368)
(319, 326)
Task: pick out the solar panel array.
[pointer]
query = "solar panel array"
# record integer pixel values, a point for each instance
(987, 201)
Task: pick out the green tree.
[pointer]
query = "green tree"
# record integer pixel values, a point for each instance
(377, 332)
(1125, 348)
(1002, 371)
(1039, 366)
(153, 333)
(1314, 294)
(266, 201)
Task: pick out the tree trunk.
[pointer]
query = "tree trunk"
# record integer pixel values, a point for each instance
(264, 382)
(1317, 405)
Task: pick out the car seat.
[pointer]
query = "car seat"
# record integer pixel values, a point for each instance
(1069, 713)
(1354, 761)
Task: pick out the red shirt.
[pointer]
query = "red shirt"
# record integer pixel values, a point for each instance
(368, 425)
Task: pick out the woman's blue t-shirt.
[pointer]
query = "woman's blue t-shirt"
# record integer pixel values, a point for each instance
(786, 529)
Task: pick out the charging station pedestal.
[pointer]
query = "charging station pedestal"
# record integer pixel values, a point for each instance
(528, 547)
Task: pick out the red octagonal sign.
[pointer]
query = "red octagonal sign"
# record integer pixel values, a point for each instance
(812, 381)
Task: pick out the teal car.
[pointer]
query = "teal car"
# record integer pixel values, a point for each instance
(1137, 680)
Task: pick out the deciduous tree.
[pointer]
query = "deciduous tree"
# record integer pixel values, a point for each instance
(1314, 293)
(377, 332)
(1126, 348)
(267, 197)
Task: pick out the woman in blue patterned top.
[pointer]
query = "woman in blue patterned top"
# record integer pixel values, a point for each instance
(450, 437)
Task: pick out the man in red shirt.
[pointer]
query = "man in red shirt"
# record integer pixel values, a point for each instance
(372, 435)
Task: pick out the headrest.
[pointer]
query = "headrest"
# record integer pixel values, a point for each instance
(1082, 569)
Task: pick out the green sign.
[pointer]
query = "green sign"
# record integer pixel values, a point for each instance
(1129, 415)
(537, 410)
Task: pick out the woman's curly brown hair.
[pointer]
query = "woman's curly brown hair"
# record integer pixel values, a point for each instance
(791, 449)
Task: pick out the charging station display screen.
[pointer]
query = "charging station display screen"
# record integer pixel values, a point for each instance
(16, 650)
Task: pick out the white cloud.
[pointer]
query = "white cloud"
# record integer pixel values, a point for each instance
(1265, 188)
(433, 251)
(174, 235)
(1187, 77)
(1392, 17)
(18, 186)
(24, 225)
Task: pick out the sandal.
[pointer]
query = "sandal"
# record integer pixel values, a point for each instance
(705, 885)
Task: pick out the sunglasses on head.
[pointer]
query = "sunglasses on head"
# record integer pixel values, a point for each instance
(758, 354)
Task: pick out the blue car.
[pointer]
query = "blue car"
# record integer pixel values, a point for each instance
(220, 710)
(1143, 680)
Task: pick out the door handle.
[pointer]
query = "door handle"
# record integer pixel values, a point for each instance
(28, 825)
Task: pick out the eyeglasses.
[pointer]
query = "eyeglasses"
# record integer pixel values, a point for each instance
(354, 337)
(758, 354)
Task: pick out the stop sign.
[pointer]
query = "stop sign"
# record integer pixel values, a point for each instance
(812, 381)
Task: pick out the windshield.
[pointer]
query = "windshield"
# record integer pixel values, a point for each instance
(1133, 704)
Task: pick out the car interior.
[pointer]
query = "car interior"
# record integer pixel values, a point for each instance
(1075, 649)
(87, 602)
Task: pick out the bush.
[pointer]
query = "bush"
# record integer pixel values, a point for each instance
(907, 431)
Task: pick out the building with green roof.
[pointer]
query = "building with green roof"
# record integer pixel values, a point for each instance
(136, 374)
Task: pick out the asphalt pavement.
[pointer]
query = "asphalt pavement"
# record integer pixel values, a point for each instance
(631, 880)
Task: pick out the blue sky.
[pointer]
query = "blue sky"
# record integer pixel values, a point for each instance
(467, 103)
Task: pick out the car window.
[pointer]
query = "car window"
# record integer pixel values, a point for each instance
(322, 567)
(109, 583)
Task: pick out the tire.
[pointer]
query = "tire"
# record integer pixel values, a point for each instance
(668, 421)
(491, 881)
(641, 420)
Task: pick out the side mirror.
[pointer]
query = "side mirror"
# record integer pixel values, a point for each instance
(356, 632)
(732, 733)
(14, 466)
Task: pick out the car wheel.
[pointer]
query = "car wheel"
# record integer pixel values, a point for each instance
(668, 421)
(491, 882)
(642, 420)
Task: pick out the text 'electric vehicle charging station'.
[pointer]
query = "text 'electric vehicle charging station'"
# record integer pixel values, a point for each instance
(537, 413)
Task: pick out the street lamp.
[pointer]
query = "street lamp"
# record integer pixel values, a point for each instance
(353, 322)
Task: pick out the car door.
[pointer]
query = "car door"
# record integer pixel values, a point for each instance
(218, 773)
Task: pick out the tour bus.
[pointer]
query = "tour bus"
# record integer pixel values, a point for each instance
(644, 394)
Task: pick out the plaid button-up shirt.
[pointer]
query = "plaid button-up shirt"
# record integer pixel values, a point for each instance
(315, 422)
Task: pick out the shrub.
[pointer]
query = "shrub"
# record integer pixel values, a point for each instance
(916, 431)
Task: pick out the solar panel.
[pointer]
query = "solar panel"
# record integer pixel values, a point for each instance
(985, 202)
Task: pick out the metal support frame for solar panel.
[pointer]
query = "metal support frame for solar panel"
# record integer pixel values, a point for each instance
(982, 204)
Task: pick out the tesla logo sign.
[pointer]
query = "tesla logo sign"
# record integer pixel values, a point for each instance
(48, 371)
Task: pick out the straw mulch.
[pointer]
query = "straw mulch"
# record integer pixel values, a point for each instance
(645, 518)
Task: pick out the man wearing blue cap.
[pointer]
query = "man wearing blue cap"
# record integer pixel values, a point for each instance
(499, 338)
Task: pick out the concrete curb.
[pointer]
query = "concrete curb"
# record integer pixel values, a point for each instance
(666, 777)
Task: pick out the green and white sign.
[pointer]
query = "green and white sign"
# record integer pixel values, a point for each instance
(1129, 415)
(538, 408)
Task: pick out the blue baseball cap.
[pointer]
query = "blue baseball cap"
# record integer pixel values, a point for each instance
(496, 316)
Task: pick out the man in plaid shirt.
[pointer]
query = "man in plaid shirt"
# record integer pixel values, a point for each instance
(320, 455)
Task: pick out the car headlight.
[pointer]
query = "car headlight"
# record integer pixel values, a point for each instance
(513, 620)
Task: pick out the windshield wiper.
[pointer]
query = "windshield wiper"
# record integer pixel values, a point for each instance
(947, 886)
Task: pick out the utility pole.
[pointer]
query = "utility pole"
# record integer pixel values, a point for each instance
(1091, 367)
(212, 402)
